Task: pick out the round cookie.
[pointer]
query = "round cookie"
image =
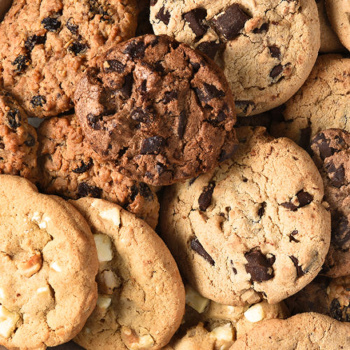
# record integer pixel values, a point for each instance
(322, 102)
(266, 48)
(161, 110)
(69, 168)
(18, 140)
(48, 267)
(141, 295)
(253, 228)
(309, 331)
(331, 153)
(339, 15)
(46, 45)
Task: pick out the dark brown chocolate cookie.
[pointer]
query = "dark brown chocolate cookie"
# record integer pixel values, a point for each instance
(161, 110)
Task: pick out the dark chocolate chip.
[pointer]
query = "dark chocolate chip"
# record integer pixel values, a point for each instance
(221, 116)
(145, 191)
(195, 20)
(158, 67)
(198, 248)
(115, 66)
(276, 71)
(340, 230)
(275, 51)
(204, 199)
(77, 48)
(142, 116)
(169, 96)
(152, 145)
(230, 23)
(126, 89)
(196, 66)
(83, 167)
(208, 92)
(30, 142)
(263, 28)
(163, 15)
(322, 144)
(38, 101)
(210, 48)
(300, 271)
(290, 206)
(85, 190)
(134, 191)
(227, 153)
(182, 124)
(233, 268)
(51, 24)
(191, 182)
(292, 238)
(304, 139)
(21, 62)
(245, 105)
(304, 198)
(136, 49)
(34, 40)
(335, 175)
(261, 210)
(259, 266)
(14, 118)
(94, 121)
(73, 28)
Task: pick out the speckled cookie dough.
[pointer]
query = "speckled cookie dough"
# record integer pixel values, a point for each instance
(70, 168)
(253, 228)
(141, 295)
(266, 48)
(48, 268)
(46, 44)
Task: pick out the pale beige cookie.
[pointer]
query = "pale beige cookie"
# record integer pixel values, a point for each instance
(253, 228)
(266, 48)
(48, 268)
(141, 296)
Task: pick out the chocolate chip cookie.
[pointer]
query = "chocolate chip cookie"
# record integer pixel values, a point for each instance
(322, 102)
(70, 168)
(331, 153)
(141, 295)
(253, 228)
(18, 140)
(46, 45)
(266, 48)
(48, 267)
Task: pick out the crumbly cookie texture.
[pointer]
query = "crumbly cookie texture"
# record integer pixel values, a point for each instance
(331, 153)
(45, 45)
(18, 140)
(266, 48)
(160, 110)
(141, 295)
(339, 15)
(322, 102)
(253, 228)
(48, 268)
(308, 331)
(70, 168)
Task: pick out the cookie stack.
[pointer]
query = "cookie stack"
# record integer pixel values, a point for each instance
(186, 181)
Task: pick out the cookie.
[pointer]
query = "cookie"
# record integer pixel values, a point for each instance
(18, 140)
(69, 168)
(338, 14)
(141, 295)
(46, 45)
(331, 153)
(322, 102)
(266, 49)
(309, 331)
(160, 110)
(48, 268)
(254, 228)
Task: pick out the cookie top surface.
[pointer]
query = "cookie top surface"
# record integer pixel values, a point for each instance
(331, 153)
(239, 233)
(338, 13)
(18, 140)
(70, 168)
(161, 110)
(48, 267)
(322, 102)
(266, 48)
(45, 45)
(141, 295)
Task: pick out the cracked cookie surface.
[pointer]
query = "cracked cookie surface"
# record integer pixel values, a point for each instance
(45, 45)
(48, 268)
(141, 295)
(161, 110)
(266, 48)
(253, 228)
(70, 168)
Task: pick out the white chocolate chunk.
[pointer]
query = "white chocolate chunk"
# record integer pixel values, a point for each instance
(255, 313)
(145, 342)
(55, 267)
(104, 247)
(224, 336)
(40, 220)
(8, 321)
(111, 215)
(108, 281)
(195, 300)
(103, 302)
(2, 294)
(43, 290)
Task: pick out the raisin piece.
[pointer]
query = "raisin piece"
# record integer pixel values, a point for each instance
(51, 24)
(30, 142)
(145, 191)
(83, 167)
(77, 48)
(14, 118)
(85, 190)
(34, 40)
(38, 101)
(73, 28)
(21, 62)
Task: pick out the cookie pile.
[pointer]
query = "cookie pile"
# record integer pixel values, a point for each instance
(174, 174)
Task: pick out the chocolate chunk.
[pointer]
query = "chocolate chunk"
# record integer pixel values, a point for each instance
(195, 20)
(136, 49)
(292, 238)
(83, 167)
(77, 47)
(340, 230)
(94, 121)
(198, 248)
(335, 175)
(322, 144)
(134, 191)
(142, 116)
(126, 89)
(261, 210)
(259, 266)
(338, 312)
(51, 24)
(169, 96)
(163, 16)
(304, 139)
(289, 206)
(152, 145)
(210, 48)
(34, 40)
(227, 153)
(204, 199)
(304, 198)
(145, 191)
(276, 71)
(85, 190)
(264, 28)
(208, 92)
(14, 118)
(21, 62)
(221, 116)
(275, 51)
(300, 271)
(73, 28)
(38, 101)
(115, 66)
(30, 142)
(182, 124)
(230, 23)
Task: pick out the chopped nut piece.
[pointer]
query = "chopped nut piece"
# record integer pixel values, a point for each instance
(108, 281)
(8, 321)
(255, 313)
(195, 300)
(224, 336)
(31, 266)
(103, 302)
(104, 247)
(134, 342)
(55, 267)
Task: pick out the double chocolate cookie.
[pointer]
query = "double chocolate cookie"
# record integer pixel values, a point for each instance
(160, 110)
